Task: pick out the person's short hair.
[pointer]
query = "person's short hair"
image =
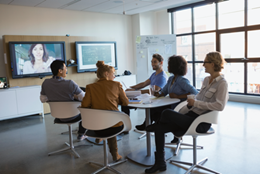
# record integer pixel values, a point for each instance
(177, 65)
(45, 56)
(158, 57)
(56, 65)
(216, 58)
(102, 68)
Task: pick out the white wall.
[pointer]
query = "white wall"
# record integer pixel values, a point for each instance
(135, 32)
(19, 20)
(163, 22)
(150, 23)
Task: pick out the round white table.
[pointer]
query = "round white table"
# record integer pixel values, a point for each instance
(145, 156)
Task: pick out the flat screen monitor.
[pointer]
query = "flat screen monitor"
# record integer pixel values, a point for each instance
(33, 59)
(88, 53)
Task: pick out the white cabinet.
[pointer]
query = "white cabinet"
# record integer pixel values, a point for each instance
(20, 101)
(128, 80)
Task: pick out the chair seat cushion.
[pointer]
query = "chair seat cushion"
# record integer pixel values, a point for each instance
(181, 133)
(58, 121)
(93, 134)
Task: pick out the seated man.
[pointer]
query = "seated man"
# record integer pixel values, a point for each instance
(158, 78)
(59, 89)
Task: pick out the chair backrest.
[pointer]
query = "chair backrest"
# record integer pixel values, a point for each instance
(64, 109)
(96, 119)
(179, 106)
(209, 117)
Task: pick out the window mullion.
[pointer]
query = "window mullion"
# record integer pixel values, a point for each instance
(193, 46)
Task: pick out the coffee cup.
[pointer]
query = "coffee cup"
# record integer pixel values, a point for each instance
(191, 96)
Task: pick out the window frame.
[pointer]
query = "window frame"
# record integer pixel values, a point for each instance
(218, 33)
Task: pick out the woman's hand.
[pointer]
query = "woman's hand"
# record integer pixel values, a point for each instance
(190, 102)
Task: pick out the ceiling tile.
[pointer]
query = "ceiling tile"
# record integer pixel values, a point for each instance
(104, 6)
(127, 6)
(5, 1)
(54, 3)
(30, 3)
(84, 4)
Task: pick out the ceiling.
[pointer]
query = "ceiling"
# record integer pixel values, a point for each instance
(127, 7)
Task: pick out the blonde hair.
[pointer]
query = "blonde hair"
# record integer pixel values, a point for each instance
(102, 68)
(216, 58)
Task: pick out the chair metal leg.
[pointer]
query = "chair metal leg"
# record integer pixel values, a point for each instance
(73, 131)
(106, 165)
(207, 169)
(70, 145)
(144, 133)
(178, 146)
(195, 163)
(113, 170)
(58, 151)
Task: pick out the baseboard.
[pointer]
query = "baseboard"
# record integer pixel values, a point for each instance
(244, 98)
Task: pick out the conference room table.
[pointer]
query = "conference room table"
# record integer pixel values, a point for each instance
(146, 156)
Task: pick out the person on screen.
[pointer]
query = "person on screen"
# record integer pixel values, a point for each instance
(158, 78)
(106, 94)
(39, 62)
(2, 84)
(59, 89)
(213, 95)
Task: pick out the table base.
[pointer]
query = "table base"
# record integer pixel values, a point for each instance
(141, 157)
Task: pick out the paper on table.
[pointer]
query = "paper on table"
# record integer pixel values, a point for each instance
(135, 101)
(132, 93)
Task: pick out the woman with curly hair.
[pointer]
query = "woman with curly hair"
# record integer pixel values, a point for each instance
(177, 86)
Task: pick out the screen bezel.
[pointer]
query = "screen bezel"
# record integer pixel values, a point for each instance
(93, 66)
(13, 62)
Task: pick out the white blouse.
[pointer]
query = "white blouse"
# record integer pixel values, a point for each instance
(213, 96)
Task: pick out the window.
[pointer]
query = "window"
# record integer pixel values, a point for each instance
(183, 21)
(231, 14)
(230, 27)
(204, 18)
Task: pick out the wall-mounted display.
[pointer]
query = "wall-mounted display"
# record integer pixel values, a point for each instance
(88, 53)
(33, 59)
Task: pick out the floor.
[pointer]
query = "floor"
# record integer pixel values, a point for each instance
(233, 149)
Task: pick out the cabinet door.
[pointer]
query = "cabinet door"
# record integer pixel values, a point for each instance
(8, 105)
(28, 100)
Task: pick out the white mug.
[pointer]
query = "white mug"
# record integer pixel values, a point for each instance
(191, 96)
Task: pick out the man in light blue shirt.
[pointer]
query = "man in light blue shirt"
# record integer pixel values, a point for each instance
(158, 79)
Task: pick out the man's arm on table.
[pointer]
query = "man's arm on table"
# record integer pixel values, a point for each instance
(140, 86)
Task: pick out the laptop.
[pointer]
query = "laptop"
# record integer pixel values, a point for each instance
(3, 83)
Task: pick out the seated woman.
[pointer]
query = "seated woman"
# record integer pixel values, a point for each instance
(212, 96)
(177, 86)
(106, 94)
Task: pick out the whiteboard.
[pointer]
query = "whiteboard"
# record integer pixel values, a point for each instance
(146, 46)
